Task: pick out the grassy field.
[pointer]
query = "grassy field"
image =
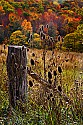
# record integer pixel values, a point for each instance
(46, 106)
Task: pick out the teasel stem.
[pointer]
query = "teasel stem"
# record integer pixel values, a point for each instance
(60, 79)
(66, 113)
(44, 66)
(56, 58)
(38, 110)
(66, 82)
(75, 85)
(31, 37)
(52, 50)
(44, 56)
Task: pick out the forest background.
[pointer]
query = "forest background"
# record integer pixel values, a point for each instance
(19, 18)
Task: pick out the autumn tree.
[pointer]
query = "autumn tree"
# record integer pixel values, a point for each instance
(6, 6)
(75, 40)
(15, 22)
(17, 38)
(41, 8)
(52, 30)
(26, 28)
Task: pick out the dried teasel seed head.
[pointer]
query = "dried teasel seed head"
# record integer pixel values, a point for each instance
(33, 54)
(47, 26)
(27, 49)
(51, 49)
(59, 37)
(59, 88)
(48, 98)
(62, 39)
(48, 66)
(59, 69)
(51, 94)
(50, 81)
(42, 58)
(44, 36)
(52, 99)
(66, 60)
(58, 57)
(3, 61)
(33, 80)
(42, 27)
(1, 51)
(50, 70)
(4, 47)
(41, 35)
(49, 75)
(54, 73)
(51, 38)
(32, 62)
(29, 40)
(31, 36)
(30, 83)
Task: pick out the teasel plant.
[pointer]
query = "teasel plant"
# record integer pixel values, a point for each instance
(55, 78)
(30, 40)
(33, 55)
(60, 74)
(60, 42)
(43, 37)
(52, 49)
(66, 71)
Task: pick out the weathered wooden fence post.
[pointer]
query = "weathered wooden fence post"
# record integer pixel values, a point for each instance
(17, 74)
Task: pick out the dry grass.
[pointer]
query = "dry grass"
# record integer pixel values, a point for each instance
(38, 95)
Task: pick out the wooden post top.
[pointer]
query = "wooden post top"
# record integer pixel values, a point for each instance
(16, 46)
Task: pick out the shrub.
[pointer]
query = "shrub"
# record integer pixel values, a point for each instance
(17, 38)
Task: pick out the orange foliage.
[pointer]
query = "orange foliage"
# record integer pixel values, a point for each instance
(13, 17)
(26, 25)
(1, 10)
(33, 16)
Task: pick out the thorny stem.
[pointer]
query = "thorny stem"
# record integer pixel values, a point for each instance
(44, 54)
(60, 79)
